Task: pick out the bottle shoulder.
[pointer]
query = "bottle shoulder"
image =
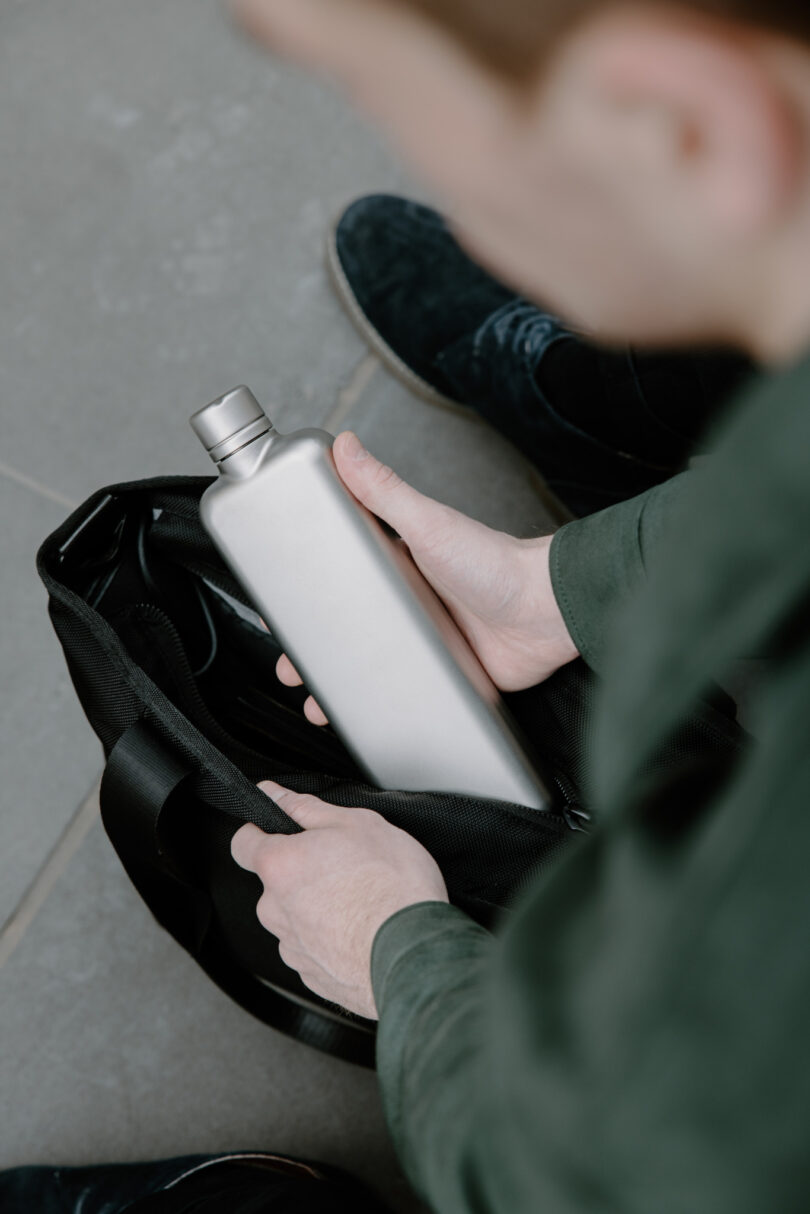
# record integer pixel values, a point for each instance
(302, 446)
(273, 451)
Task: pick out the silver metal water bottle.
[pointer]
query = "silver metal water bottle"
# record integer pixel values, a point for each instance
(368, 635)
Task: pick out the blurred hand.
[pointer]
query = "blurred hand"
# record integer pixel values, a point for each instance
(328, 890)
(496, 587)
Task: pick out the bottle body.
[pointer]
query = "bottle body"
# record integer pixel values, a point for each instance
(371, 640)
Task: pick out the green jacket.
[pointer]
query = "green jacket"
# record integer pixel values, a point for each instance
(635, 1039)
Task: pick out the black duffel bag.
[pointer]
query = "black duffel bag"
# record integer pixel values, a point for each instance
(177, 678)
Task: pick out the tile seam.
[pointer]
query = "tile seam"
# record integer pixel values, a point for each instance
(35, 897)
(28, 482)
(349, 395)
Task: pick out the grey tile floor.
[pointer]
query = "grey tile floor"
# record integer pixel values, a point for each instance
(165, 193)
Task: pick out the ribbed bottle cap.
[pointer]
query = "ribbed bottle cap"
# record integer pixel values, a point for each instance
(230, 421)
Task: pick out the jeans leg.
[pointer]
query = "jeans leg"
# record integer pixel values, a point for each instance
(655, 406)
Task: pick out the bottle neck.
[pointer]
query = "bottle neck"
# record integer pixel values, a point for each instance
(243, 462)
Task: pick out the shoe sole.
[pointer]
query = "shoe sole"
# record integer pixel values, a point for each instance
(413, 382)
(420, 387)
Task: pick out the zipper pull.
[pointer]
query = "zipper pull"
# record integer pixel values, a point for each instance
(576, 817)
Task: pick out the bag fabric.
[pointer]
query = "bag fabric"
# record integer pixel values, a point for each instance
(177, 678)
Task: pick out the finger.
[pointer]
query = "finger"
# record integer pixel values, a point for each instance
(289, 676)
(314, 713)
(270, 914)
(286, 672)
(285, 27)
(308, 811)
(291, 957)
(382, 491)
(247, 845)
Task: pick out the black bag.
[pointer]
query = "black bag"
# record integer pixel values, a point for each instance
(178, 682)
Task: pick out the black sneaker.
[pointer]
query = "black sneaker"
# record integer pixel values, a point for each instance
(600, 425)
(245, 1183)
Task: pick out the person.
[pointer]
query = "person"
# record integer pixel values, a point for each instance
(634, 1037)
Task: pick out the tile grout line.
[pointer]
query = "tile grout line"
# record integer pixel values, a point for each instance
(36, 486)
(362, 376)
(348, 397)
(43, 883)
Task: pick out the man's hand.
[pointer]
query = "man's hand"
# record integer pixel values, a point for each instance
(328, 890)
(496, 587)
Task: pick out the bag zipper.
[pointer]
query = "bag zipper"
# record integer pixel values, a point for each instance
(576, 816)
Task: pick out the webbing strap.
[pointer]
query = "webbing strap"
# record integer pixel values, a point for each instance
(141, 777)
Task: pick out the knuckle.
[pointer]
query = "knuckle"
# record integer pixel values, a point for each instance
(305, 805)
(295, 802)
(276, 864)
(265, 913)
(265, 865)
(386, 478)
(365, 823)
(368, 817)
(291, 798)
(272, 876)
(287, 955)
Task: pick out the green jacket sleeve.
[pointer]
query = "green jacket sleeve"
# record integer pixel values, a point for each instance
(634, 1039)
(598, 562)
(429, 968)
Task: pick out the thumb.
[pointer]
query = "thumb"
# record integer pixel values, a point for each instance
(380, 489)
(308, 811)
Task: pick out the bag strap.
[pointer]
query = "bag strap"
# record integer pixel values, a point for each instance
(141, 777)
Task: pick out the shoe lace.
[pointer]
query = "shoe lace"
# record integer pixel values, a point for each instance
(519, 328)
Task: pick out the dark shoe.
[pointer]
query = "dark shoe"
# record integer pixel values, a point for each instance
(106, 1189)
(247, 1183)
(600, 425)
(409, 288)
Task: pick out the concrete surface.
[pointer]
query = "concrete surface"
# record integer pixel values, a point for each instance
(117, 1047)
(49, 758)
(165, 191)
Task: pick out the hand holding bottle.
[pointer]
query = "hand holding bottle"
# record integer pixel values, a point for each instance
(496, 587)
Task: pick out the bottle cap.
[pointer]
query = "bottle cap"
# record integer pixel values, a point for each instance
(229, 422)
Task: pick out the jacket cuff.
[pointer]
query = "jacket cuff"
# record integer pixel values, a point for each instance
(597, 563)
(404, 933)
